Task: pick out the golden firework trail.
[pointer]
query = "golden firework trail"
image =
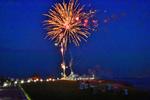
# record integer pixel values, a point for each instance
(67, 22)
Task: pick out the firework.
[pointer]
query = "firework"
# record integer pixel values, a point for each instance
(68, 23)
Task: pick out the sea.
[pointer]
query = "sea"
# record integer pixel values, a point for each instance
(139, 83)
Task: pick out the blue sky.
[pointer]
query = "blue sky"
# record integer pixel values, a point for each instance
(120, 47)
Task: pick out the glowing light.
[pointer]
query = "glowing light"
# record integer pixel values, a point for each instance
(56, 44)
(86, 21)
(41, 80)
(5, 84)
(67, 26)
(57, 78)
(22, 81)
(63, 66)
(28, 81)
(15, 82)
(77, 18)
(36, 80)
(49, 79)
(62, 50)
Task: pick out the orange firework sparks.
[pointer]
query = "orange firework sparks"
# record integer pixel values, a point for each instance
(67, 22)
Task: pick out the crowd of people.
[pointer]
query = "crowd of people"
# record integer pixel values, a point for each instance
(96, 88)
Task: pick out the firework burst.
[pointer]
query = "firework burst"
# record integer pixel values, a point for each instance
(69, 23)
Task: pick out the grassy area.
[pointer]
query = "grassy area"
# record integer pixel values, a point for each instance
(69, 90)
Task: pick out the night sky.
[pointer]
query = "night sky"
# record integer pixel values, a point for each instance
(120, 47)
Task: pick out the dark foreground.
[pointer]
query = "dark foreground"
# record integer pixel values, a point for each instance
(11, 93)
(70, 90)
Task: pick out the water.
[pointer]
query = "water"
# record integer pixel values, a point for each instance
(140, 83)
